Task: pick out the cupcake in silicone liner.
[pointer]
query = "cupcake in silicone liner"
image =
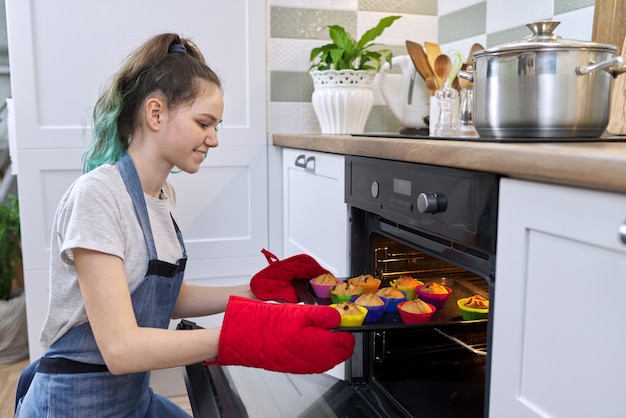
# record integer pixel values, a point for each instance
(343, 292)
(393, 296)
(415, 311)
(434, 293)
(352, 315)
(374, 304)
(368, 282)
(407, 284)
(473, 307)
(322, 284)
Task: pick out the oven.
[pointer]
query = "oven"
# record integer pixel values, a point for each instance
(433, 223)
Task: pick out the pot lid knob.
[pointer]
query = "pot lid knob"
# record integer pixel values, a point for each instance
(544, 29)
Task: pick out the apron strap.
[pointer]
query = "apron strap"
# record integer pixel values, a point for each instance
(133, 185)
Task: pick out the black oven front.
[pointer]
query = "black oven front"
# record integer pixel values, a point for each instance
(434, 223)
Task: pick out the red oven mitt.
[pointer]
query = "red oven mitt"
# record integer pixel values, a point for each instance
(284, 338)
(274, 281)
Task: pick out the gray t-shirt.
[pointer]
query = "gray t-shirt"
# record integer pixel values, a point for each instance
(97, 213)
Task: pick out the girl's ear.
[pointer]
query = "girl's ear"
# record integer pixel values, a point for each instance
(154, 112)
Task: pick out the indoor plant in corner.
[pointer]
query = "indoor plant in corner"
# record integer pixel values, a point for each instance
(14, 341)
(343, 72)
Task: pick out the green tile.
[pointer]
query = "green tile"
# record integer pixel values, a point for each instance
(295, 23)
(290, 86)
(564, 6)
(463, 23)
(421, 7)
(382, 120)
(506, 36)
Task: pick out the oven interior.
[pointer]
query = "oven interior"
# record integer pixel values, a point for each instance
(434, 369)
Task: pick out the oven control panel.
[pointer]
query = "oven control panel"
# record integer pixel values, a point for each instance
(454, 204)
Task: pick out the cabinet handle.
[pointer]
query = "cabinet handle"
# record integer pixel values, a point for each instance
(303, 162)
(622, 232)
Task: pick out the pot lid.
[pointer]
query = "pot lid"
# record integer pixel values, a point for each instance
(543, 38)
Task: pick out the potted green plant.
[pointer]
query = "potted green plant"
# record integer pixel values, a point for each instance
(10, 250)
(343, 72)
(14, 341)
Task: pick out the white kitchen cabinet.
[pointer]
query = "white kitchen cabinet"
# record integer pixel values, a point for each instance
(559, 339)
(315, 215)
(62, 52)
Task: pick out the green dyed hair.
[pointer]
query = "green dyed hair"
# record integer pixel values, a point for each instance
(176, 74)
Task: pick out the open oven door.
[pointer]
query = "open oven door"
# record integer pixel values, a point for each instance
(239, 392)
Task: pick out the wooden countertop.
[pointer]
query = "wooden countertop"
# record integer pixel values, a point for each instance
(594, 165)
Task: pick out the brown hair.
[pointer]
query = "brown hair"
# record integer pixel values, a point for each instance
(167, 63)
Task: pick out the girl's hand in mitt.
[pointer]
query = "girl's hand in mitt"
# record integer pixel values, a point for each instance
(274, 281)
(282, 337)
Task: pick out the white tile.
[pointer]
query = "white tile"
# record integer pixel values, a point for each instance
(576, 25)
(317, 4)
(506, 14)
(445, 7)
(418, 28)
(291, 54)
(293, 118)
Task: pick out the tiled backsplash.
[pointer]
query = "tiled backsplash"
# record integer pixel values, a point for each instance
(297, 26)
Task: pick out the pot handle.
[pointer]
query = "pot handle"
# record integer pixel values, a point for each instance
(604, 65)
(467, 74)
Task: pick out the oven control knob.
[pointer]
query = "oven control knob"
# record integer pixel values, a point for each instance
(431, 202)
(375, 189)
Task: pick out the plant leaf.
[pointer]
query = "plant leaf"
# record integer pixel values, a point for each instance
(376, 31)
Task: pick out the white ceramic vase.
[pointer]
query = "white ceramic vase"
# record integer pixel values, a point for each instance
(343, 100)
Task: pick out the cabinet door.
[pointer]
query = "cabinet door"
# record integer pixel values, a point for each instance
(60, 55)
(559, 339)
(315, 215)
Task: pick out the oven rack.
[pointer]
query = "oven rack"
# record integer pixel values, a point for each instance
(392, 344)
(390, 264)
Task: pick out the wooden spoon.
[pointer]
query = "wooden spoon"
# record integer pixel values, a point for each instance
(474, 48)
(443, 66)
(418, 56)
(432, 52)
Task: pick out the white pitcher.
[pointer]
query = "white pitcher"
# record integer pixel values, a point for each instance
(405, 93)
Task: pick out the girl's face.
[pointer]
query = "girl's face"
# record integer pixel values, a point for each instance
(191, 130)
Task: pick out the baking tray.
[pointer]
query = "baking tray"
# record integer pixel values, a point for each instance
(449, 314)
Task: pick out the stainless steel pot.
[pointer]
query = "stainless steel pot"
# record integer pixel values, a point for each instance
(543, 86)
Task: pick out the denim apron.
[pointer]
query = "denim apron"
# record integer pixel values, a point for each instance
(71, 379)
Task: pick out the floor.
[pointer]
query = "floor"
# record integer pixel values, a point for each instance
(9, 375)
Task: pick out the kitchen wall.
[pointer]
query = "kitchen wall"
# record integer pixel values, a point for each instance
(297, 26)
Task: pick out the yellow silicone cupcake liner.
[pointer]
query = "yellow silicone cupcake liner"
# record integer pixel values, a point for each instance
(410, 290)
(352, 320)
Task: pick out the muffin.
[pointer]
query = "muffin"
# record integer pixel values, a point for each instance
(368, 282)
(369, 299)
(393, 296)
(351, 313)
(348, 308)
(375, 306)
(326, 279)
(390, 293)
(435, 288)
(434, 293)
(407, 284)
(322, 283)
(474, 307)
(343, 292)
(417, 306)
(415, 311)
